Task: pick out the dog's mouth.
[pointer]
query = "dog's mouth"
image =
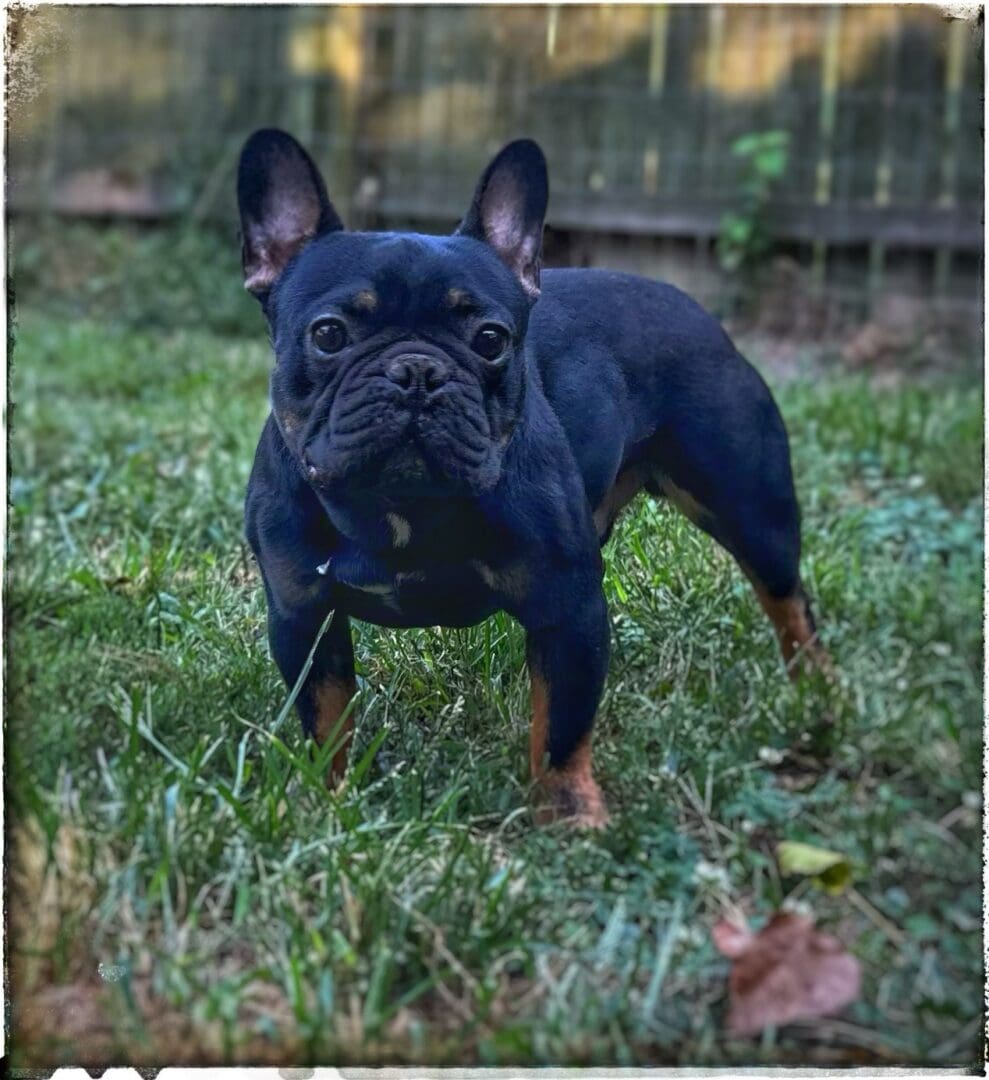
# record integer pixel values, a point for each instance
(408, 463)
(410, 466)
(405, 469)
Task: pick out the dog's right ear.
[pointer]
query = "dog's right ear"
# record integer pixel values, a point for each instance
(283, 205)
(508, 209)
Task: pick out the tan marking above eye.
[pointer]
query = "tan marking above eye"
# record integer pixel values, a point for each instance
(458, 298)
(365, 300)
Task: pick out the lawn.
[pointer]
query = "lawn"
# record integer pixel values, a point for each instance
(185, 889)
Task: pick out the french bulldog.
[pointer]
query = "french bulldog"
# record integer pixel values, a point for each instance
(453, 432)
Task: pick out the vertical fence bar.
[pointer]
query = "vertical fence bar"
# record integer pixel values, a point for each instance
(953, 77)
(826, 127)
(714, 49)
(56, 99)
(400, 85)
(781, 35)
(364, 93)
(521, 78)
(552, 28)
(657, 79)
(427, 43)
(308, 29)
(884, 165)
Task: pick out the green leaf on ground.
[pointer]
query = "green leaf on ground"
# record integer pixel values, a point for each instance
(829, 870)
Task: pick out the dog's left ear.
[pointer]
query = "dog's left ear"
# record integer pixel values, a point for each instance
(283, 205)
(508, 209)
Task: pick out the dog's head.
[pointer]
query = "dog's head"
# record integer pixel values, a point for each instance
(399, 367)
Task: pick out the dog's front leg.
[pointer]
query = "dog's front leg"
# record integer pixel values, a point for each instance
(329, 685)
(568, 661)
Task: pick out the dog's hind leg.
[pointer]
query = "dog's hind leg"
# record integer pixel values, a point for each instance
(765, 542)
(795, 627)
(726, 465)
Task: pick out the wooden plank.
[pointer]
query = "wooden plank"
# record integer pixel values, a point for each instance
(830, 69)
(884, 163)
(897, 226)
(552, 28)
(958, 33)
(781, 36)
(712, 111)
(657, 78)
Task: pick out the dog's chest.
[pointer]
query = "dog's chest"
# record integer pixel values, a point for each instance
(457, 578)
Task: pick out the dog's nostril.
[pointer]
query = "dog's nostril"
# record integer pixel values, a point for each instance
(417, 373)
(434, 375)
(401, 373)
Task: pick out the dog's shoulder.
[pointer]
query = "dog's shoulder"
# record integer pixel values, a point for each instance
(279, 507)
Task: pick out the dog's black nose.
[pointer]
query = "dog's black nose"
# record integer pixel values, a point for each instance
(412, 373)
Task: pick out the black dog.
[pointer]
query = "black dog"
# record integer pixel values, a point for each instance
(453, 433)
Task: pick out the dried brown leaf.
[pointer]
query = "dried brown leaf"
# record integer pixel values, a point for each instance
(787, 971)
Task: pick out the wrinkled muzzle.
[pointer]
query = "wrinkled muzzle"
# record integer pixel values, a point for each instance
(413, 422)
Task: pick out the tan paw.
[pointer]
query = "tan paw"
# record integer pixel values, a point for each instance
(576, 801)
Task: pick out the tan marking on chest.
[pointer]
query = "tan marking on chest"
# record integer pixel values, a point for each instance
(401, 530)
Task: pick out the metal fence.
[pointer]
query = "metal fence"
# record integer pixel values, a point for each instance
(140, 112)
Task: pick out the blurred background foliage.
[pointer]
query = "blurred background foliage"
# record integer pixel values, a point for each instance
(816, 169)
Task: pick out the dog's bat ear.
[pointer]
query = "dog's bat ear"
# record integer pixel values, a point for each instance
(508, 209)
(283, 205)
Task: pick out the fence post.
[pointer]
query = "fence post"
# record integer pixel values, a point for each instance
(826, 126)
(884, 170)
(657, 78)
(344, 49)
(953, 76)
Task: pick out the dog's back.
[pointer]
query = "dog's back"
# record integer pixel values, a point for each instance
(618, 353)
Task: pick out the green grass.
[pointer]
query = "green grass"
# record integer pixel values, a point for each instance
(164, 829)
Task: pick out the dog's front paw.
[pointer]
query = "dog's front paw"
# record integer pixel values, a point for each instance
(576, 801)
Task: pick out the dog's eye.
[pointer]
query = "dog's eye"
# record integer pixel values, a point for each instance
(329, 335)
(490, 341)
